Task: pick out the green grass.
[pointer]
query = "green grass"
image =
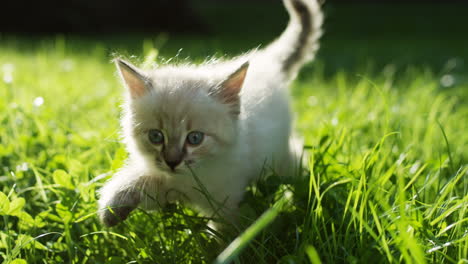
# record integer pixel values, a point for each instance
(387, 180)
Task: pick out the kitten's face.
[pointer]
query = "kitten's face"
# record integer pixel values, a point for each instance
(185, 126)
(178, 121)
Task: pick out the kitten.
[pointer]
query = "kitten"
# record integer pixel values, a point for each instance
(215, 125)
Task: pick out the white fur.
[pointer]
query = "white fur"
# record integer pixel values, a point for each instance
(238, 147)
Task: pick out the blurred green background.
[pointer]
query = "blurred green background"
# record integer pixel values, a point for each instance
(423, 33)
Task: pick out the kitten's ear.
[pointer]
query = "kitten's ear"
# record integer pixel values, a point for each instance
(135, 80)
(231, 87)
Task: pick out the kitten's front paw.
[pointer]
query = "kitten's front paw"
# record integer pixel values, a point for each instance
(111, 216)
(115, 208)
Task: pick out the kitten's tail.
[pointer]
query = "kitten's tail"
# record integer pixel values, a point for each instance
(298, 44)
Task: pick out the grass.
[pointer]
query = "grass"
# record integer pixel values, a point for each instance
(387, 139)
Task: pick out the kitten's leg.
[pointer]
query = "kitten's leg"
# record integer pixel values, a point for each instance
(224, 212)
(124, 192)
(225, 218)
(298, 158)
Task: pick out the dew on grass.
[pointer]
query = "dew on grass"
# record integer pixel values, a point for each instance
(8, 69)
(18, 121)
(415, 167)
(447, 80)
(67, 65)
(7, 78)
(38, 101)
(22, 167)
(410, 228)
(334, 121)
(312, 100)
(401, 158)
(438, 247)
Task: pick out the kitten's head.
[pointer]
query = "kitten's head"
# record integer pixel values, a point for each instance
(180, 116)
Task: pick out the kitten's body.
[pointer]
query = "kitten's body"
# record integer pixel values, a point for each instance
(242, 110)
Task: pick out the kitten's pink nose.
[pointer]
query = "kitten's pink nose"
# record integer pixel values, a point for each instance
(173, 163)
(173, 156)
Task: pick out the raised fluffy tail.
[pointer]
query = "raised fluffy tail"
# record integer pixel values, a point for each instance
(298, 44)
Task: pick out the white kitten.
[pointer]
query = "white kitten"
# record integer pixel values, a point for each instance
(219, 123)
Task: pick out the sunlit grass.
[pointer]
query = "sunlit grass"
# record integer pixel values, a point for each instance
(387, 178)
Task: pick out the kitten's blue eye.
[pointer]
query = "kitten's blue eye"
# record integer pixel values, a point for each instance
(195, 138)
(156, 136)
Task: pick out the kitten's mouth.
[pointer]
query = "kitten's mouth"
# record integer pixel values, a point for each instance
(183, 166)
(172, 168)
(167, 169)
